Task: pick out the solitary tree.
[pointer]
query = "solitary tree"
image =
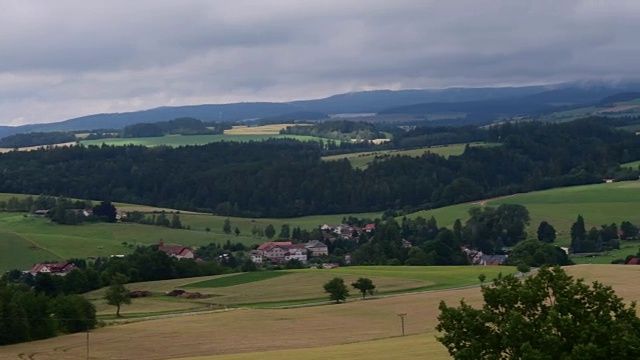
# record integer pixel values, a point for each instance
(269, 231)
(226, 227)
(578, 234)
(117, 294)
(106, 210)
(337, 289)
(236, 231)
(364, 285)
(285, 231)
(546, 232)
(546, 316)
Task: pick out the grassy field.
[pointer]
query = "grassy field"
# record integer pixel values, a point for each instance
(26, 239)
(598, 204)
(289, 287)
(237, 279)
(625, 108)
(257, 130)
(362, 159)
(359, 329)
(632, 165)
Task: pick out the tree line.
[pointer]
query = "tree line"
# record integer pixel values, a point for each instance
(27, 315)
(287, 178)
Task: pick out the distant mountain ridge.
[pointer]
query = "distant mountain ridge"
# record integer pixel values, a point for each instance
(416, 101)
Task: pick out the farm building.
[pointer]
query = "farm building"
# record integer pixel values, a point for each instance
(58, 268)
(176, 251)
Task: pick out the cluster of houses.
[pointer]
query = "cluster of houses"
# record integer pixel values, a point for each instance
(344, 231)
(276, 252)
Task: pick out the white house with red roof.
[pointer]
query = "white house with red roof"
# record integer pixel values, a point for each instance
(176, 251)
(58, 268)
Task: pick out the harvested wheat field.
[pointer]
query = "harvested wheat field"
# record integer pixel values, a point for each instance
(359, 329)
(257, 130)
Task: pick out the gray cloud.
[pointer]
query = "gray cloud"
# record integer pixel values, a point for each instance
(70, 58)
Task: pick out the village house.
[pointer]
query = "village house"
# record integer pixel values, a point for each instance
(317, 248)
(58, 268)
(296, 252)
(256, 256)
(369, 228)
(280, 251)
(176, 251)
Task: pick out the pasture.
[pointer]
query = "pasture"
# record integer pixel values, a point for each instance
(367, 329)
(291, 287)
(26, 239)
(361, 160)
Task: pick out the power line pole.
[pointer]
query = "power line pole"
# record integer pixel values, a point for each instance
(402, 321)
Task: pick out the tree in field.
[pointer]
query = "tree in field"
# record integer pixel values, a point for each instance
(226, 227)
(175, 222)
(236, 231)
(547, 316)
(629, 231)
(337, 289)
(546, 232)
(285, 231)
(106, 210)
(578, 235)
(364, 285)
(269, 231)
(117, 294)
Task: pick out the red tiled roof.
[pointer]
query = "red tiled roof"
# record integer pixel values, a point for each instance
(634, 261)
(55, 268)
(272, 244)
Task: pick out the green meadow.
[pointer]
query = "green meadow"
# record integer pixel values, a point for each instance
(184, 140)
(26, 239)
(361, 160)
(598, 204)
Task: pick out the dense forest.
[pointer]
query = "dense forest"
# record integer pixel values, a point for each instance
(28, 314)
(36, 138)
(284, 178)
(179, 126)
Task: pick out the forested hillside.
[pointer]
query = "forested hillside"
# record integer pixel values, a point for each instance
(287, 178)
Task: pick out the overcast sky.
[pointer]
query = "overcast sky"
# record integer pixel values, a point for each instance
(66, 58)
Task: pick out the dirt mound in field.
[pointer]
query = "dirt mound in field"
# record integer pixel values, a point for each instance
(187, 295)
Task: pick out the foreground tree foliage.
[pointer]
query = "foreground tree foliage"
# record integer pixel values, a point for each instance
(547, 316)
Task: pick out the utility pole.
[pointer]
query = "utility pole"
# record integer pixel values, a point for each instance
(402, 321)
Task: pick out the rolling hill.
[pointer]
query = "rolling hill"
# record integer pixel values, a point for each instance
(361, 330)
(458, 100)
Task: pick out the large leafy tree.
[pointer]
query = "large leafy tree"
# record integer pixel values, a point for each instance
(337, 289)
(578, 234)
(364, 285)
(547, 316)
(546, 232)
(117, 295)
